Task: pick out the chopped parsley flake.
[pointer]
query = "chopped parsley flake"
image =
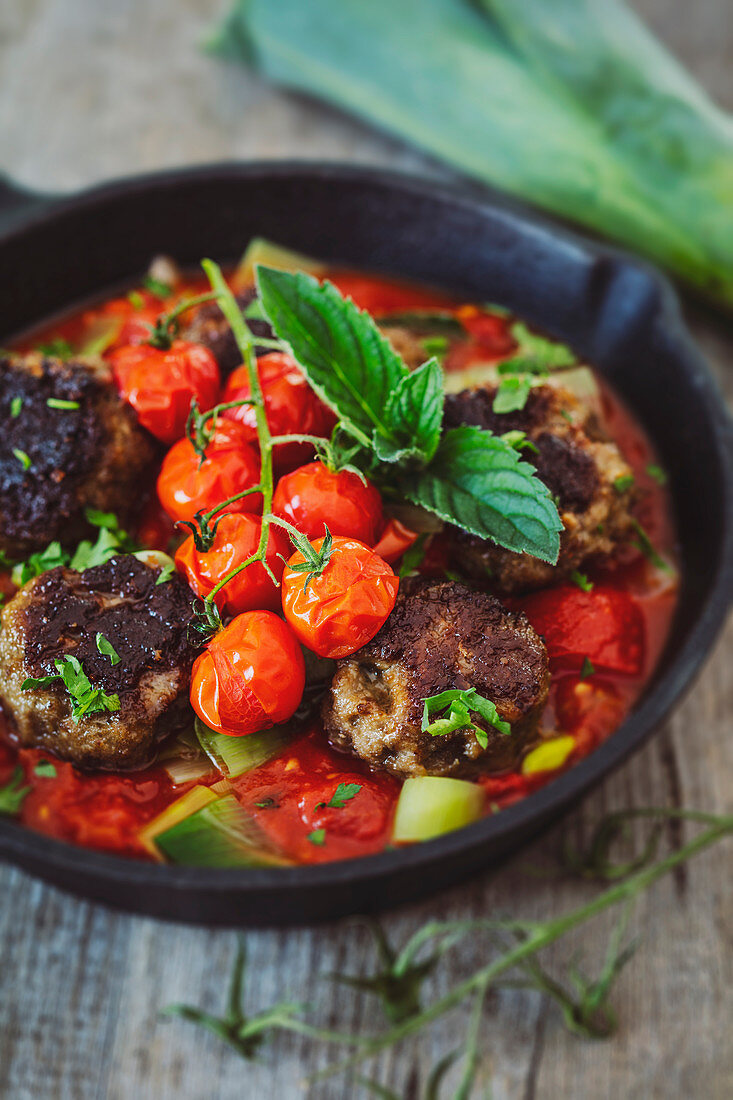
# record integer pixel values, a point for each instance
(166, 573)
(317, 837)
(12, 795)
(85, 698)
(59, 403)
(57, 348)
(45, 769)
(586, 668)
(657, 473)
(624, 482)
(105, 647)
(15, 406)
(136, 299)
(581, 580)
(157, 287)
(22, 457)
(343, 794)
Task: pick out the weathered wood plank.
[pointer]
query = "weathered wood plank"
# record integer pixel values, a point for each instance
(82, 99)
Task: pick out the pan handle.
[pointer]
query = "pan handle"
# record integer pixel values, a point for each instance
(17, 202)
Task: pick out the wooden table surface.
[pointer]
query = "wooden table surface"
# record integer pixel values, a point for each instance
(91, 89)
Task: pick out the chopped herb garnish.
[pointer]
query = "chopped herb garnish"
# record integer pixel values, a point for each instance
(166, 573)
(15, 406)
(45, 769)
(623, 482)
(136, 299)
(22, 457)
(566, 415)
(657, 473)
(519, 441)
(85, 698)
(58, 348)
(12, 795)
(157, 287)
(317, 837)
(435, 345)
(512, 394)
(586, 669)
(581, 580)
(647, 547)
(343, 794)
(59, 403)
(266, 804)
(105, 647)
(456, 705)
(38, 563)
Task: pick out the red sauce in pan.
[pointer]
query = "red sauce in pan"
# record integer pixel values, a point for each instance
(286, 796)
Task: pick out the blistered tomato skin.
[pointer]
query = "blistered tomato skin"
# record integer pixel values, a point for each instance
(186, 485)
(605, 625)
(314, 497)
(160, 385)
(237, 538)
(342, 608)
(291, 406)
(250, 677)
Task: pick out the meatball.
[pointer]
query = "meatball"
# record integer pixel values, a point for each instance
(69, 442)
(584, 471)
(61, 613)
(440, 636)
(209, 327)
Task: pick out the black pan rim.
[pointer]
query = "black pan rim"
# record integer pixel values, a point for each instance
(19, 844)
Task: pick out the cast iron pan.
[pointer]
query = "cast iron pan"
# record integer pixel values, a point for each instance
(620, 315)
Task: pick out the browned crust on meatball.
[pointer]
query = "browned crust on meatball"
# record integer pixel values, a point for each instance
(94, 455)
(208, 326)
(60, 613)
(440, 635)
(579, 466)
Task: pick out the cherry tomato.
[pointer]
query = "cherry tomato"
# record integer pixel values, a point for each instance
(160, 385)
(314, 497)
(362, 816)
(339, 610)
(291, 405)
(605, 625)
(250, 676)
(394, 540)
(187, 486)
(237, 538)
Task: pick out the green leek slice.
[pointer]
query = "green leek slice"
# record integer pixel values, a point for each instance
(261, 251)
(235, 755)
(222, 834)
(430, 805)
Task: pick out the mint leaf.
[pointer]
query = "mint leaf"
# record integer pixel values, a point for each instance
(415, 412)
(477, 481)
(342, 353)
(12, 795)
(536, 354)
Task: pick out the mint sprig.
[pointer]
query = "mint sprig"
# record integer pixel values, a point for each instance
(468, 477)
(478, 482)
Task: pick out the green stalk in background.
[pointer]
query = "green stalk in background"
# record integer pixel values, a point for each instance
(573, 106)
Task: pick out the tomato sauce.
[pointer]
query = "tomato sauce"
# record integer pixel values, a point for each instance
(623, 633)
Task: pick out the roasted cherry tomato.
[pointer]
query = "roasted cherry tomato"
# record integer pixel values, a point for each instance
(291, 405)
(605, 625)
(394, 540)
(160, 385)
(237, 538)
(186, 485)
(250, 676)
(314, 497)
(337, 611)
